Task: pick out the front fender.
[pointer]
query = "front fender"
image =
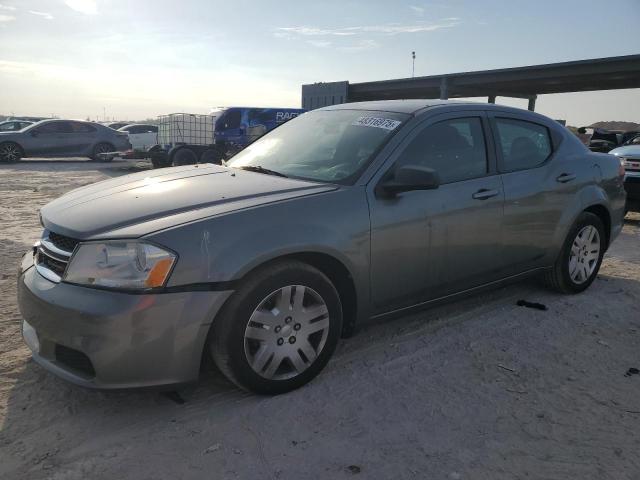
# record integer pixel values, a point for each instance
(224, 249)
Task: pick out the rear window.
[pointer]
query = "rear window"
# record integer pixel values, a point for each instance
(523, 144)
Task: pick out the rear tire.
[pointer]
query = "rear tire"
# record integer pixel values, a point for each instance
(159, 159)
(10, 152)
(211, 156)
(581, 256)
(102, 148)
(279, 329)
(184, 156)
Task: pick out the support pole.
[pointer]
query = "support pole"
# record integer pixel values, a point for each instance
(444, 90)
(492, 99)
(532, 103)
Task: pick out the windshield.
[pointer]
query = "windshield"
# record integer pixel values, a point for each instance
(328, 145)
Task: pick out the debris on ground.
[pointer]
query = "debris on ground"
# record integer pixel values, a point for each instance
(537, 306)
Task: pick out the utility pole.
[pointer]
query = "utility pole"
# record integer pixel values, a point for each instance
(413, 66)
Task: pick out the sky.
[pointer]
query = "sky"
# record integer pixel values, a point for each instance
(134, 59)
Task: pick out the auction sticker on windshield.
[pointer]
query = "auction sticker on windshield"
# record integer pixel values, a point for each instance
(377, 122)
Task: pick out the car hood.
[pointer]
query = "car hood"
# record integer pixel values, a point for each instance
(631, 150)
(141, 203)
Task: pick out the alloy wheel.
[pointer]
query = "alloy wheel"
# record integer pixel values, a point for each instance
(286, 332)
(585, 253)
(102, 148)
(9, 153)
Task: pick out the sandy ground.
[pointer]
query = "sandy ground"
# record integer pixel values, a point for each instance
(479, 389)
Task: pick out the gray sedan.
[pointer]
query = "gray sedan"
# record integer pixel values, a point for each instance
(347, 213)
(61, 138)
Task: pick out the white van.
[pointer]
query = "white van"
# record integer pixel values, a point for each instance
(141, 136)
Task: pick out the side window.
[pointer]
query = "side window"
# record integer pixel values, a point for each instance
(454, 148)
(55, 127)
(523, 144)
(78, 127)
(9, 126)
(232, 119)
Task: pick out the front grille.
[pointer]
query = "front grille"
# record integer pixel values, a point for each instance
(74, 360)
(53, 254)
(53, 264)
(62, 242)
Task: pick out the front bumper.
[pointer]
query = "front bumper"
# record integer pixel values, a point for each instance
(112, 340)
(632, 187)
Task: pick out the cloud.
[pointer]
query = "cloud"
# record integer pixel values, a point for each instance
(385, 29)
(418, 10)
(313, 31)
(319, 43)
(360, 46)
(88, 7)
(44, 15)
(7, 18)
(7, 7)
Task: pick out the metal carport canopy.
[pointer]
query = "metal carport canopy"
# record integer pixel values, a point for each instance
(523, 82)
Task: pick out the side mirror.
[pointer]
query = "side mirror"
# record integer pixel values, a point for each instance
(409, 178)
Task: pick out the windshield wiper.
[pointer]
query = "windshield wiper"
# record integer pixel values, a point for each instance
(260, 169)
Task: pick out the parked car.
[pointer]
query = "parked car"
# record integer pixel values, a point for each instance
(59, 138)
(141, 136)
(601, 140)
(13, 125)
(629, 155)
(346, 213)
(185, 138)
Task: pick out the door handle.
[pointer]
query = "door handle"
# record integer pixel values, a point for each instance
(485, 193)
(566, 177)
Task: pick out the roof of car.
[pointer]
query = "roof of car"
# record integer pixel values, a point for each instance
(414, 106)
(418, 106)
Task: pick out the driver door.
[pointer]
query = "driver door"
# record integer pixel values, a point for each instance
(49, 139)
(427, 244)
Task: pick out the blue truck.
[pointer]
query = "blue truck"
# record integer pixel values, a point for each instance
(185, 138)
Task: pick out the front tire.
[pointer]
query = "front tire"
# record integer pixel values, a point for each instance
(10, 152)
(184, 156)
(579, 261)
(279, 329)
(211, 156)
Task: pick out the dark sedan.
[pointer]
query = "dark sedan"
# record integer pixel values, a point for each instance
(61, 138)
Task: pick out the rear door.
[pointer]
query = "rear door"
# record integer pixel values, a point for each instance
(539, 185)
(81, 139)
(430, 243)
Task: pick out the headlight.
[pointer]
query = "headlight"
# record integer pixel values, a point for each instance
(120, 264)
